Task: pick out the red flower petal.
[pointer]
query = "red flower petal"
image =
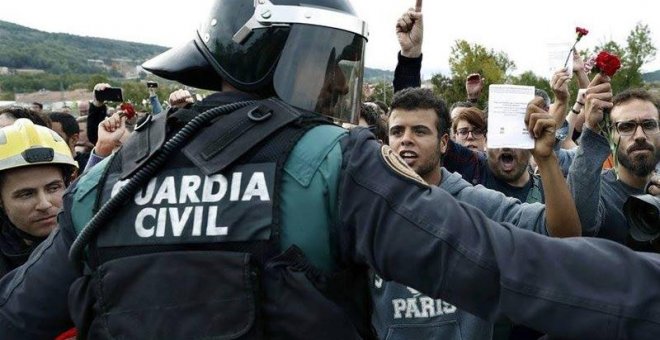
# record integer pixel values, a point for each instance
(607, 63)
(581, 31)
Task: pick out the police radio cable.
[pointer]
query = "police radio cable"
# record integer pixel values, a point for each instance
(145, 174)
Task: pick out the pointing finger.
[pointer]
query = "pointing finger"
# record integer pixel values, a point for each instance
(418, 6)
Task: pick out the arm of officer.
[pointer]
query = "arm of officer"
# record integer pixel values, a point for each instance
(33, 298)
(421, 237)
(495, 205)
(498, 207)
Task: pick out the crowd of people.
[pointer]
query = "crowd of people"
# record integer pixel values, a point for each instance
(250, 215)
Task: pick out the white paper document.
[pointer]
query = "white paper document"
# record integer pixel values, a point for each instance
(558, 54)
(507, 105)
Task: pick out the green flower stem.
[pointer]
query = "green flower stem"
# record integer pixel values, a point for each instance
(608, 131)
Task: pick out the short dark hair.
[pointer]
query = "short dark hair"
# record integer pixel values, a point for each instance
(69, 124)
(632, 94)
(17, 112)
(382, 106)
(420, 98)
(39, 105)
(371, 113)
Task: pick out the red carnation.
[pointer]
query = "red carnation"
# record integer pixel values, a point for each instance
(129, 111)
(581, 32)
(607, 63)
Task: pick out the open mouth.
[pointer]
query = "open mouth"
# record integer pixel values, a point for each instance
(508, 161)
(408, 156)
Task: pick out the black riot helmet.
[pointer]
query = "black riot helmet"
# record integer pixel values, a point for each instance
(309, 54)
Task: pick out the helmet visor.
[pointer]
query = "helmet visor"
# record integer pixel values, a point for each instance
(320, 70)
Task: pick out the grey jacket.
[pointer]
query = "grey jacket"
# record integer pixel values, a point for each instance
(598, 194)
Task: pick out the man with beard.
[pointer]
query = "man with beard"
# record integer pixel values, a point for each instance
(505, 170)
(635, 137)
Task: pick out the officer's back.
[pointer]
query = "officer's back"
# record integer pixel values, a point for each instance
(231, 231)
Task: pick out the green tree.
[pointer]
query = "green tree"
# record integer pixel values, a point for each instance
(97, 79)
(529, 78)
(466, 58)
(10, 96)
(638, 51)
(640, 47)
(134, 92)
(451, 90)
(383, 91)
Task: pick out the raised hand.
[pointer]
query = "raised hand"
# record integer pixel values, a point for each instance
(598, 98)
(99, 87)
(541, 126)
(410, 31)
(474, 84)
(580, 69)
(111, 131)
(578, 63)
(181, 98)
(559, 84)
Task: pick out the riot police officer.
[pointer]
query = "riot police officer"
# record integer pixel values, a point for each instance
(256, 218)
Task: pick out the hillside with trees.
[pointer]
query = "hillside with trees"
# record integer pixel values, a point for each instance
(67, 62)
(652, 77)
(58, 53)
(73, 57)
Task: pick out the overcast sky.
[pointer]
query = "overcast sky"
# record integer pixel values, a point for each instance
(493, 24)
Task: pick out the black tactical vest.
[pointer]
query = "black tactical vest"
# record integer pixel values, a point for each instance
(196, 253)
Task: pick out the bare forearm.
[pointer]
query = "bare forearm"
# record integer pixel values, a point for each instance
(559, 111)
(572, 120)
(582, 79)
(562, 219)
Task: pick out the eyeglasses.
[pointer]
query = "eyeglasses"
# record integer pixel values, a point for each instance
(627, 128)
(476, 133)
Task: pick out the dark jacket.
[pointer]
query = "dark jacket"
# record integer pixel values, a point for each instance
(13, 249)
